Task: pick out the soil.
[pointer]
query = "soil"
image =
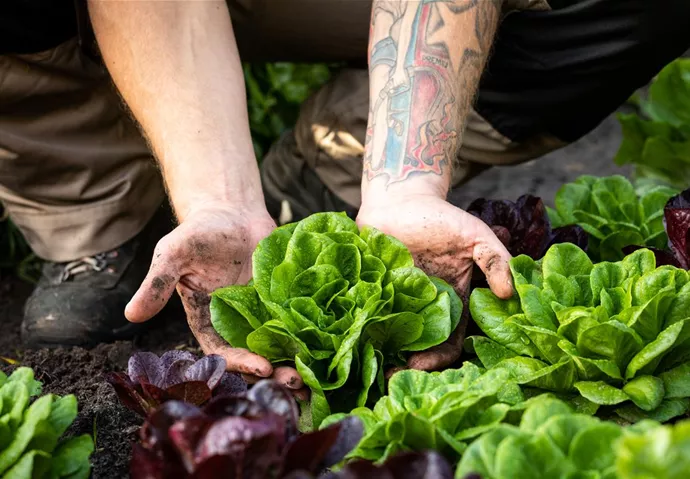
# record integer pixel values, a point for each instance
(80, 372)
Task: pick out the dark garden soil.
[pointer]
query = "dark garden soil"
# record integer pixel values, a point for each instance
(80, 372)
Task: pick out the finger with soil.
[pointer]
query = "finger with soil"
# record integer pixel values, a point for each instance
(492, 257)
(285, 375)
(196, 306)
(155, 291)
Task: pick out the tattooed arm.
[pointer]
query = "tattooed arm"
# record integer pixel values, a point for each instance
(425, 61)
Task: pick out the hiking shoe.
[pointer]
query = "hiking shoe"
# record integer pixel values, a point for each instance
(292, 189)
(82, 302)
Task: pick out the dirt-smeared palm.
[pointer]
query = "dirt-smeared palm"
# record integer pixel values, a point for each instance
(445, 242)
(210, 249)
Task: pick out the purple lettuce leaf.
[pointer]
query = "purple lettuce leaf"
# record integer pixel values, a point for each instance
(524, 226)
(145, 464)
(209, 469)
(406, 465)
(255, 445)
(323, 448)
(247, 436)
(677, 222)
(194, 392)
(569, 234)
(154, 433)
(145, 367)
(223, 406)
(350, 433)
(185, 434)
(230, 384)
(278, 399)
(177, 375)
(173, 355)
(127, 393)
(209, 369)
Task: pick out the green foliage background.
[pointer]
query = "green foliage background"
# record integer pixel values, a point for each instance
(657, 140)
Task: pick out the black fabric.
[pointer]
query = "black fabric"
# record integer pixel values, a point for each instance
(30, 26)
(563, 71)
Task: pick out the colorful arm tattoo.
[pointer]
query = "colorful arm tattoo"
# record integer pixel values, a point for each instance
(425, 60)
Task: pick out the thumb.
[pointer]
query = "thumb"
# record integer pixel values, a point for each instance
(154, 292)
(493, 259)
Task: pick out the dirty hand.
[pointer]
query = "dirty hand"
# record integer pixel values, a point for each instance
(445, 242)
(210, 249)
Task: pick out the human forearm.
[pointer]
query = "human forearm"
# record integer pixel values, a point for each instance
(418, 110)
(176, 65)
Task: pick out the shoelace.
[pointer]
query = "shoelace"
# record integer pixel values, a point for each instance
(97, 263)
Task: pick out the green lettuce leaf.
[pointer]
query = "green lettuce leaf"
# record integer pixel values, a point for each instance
(550, 441)
(651, 450)
(618, 335)
(553, 441)
(658, 144)
(340, 303)
(440, 410)
(30, 433)
(614, 214)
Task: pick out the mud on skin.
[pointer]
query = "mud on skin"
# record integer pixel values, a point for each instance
(160, 284)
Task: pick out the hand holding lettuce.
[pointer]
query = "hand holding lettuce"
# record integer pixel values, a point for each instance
(339, 302)
(617, 334)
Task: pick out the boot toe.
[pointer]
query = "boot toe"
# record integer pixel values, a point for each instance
(70, 315)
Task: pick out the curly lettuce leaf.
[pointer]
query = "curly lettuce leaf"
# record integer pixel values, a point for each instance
(340, 303)
(617, 334)
(614, 214)
(441, 410)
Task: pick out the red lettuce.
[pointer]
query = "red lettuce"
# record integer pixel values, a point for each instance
(677, 224)
(177, 375)
(250, 436)
(524, 227)
(407, 465)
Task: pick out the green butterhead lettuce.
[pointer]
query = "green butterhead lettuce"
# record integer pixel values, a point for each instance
(617, 334)
(613, 213)
(30, 444)
(338, 302)
(444, 411)
(658, 142)
(553, 441)
(650, 450)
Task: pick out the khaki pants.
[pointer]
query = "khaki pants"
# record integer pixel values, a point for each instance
(78, 179)
(75, 174)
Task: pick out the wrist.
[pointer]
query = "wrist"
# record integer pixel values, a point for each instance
(216, 184)
(380, 189)
(250, 206)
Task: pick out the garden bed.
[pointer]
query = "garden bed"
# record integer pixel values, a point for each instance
(80, 372)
